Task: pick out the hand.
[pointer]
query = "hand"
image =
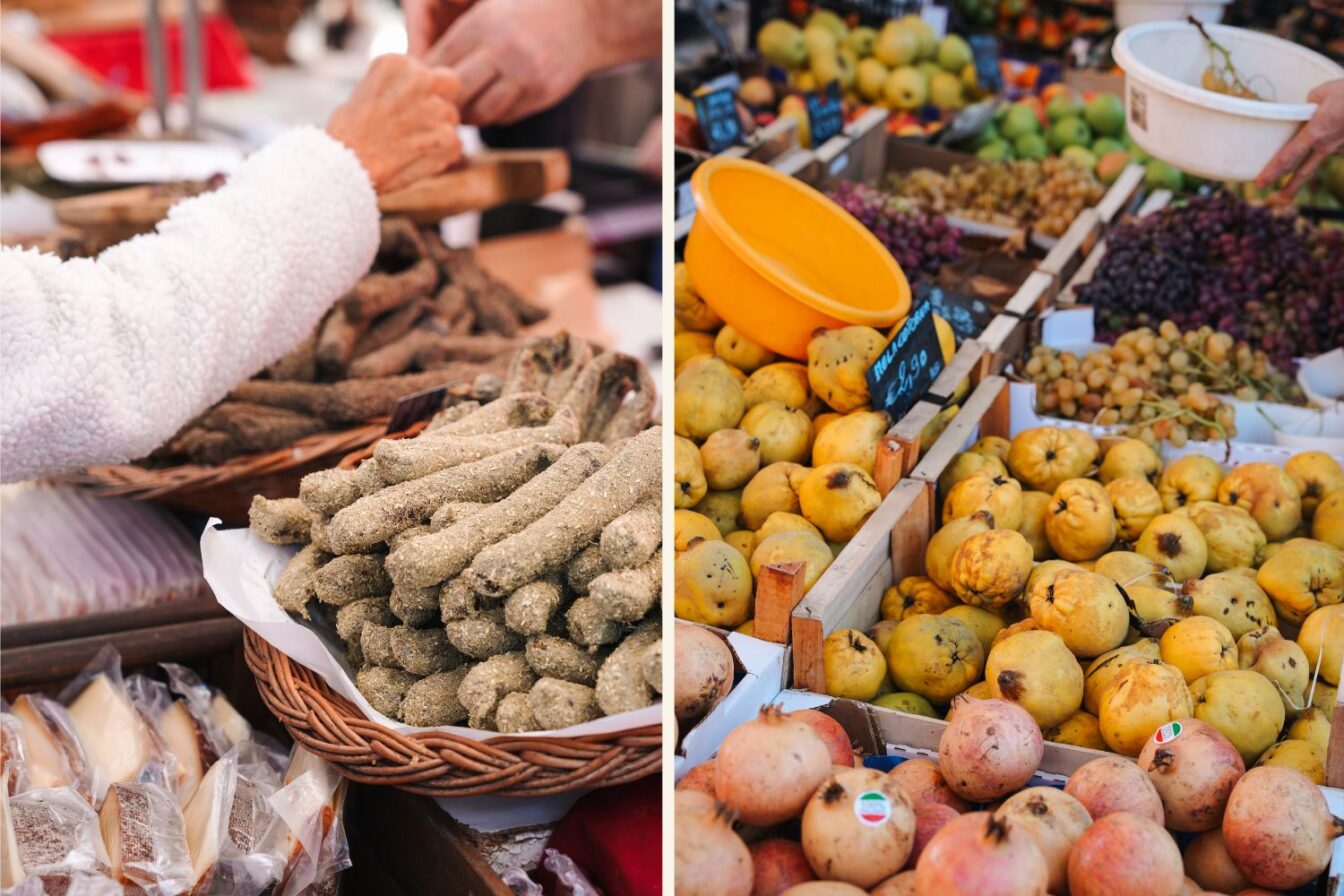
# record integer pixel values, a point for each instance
(516, 57)
(427, 20)
(1318, 138)
(401, 121)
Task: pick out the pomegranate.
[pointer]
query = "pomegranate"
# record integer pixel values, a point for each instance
(929, 820)
(700, 778)
(989, 749)
(831, 732)
(1111, 784)
(858, 828)
(769, 767)
(710, 860)
(902, 884)
(1209, 865)
(982, 854)
(1125, 854)
(1258, 891)
(777, 865)
(704, 673)
(1194, 769)
(1278, 828)
(924, 783)
(823, 888)
(1190, 888)
(1054, 820)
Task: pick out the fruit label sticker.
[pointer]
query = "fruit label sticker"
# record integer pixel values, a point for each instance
(825, 113)
(1168, 733)
(717, 112)
(872, 808)
(908, 365)
(1138, 108)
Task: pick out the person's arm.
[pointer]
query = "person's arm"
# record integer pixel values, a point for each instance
(102, 361)
(517, 57)
(1310, 146)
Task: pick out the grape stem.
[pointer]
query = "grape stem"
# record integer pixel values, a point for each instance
(1183, 412)
(1226, 68)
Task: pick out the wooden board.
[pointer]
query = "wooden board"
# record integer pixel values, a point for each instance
(490, 179)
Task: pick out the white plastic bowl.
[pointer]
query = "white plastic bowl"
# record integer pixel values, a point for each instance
(1210, 134)
(1136, 12)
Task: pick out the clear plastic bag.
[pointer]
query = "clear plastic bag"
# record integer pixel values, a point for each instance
(569, 878)
(52, 752)
(249, 860)
(13, 755)
(117, 741)
(145, 838)
(312, 834)
(56, 831)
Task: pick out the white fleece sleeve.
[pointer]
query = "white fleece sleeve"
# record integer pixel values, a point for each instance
(104, 360)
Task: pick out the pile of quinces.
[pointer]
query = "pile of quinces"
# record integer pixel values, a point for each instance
(1108, 594)
(774, 458)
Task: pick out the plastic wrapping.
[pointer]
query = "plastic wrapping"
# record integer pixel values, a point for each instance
(13, 754)
(223, 725)
(312, 837)
(249, 858)
(56, 831)
(64, 553)
(76, 883)
(52, 752)
(117, 741)
(146, 843)
(569, 878)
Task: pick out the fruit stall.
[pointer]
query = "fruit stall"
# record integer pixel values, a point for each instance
(1070, 578)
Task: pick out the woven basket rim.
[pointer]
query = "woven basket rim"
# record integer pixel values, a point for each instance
(439, 763)
(148, 483)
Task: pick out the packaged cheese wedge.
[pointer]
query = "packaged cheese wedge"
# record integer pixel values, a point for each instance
(206, 820)
(192, 752)
(11, 867)
(223, 724)
(146, 840)
(52, 755)
(116, 739)
(55, 832)
(312, 839)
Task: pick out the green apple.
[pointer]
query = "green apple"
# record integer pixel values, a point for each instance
(1161, 176)
(1064, 105)
(954, 53)
(1105, 114)
(1071, 131)
(1019, 120)
(906, 88)
(1031, 146)
(1080, 156)
(1103, 145)
(996, 151)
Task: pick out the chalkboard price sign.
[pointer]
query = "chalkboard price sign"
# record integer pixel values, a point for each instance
(717, 113)
(985, 52)
(908, 365)
(967, 314)
(825, 113)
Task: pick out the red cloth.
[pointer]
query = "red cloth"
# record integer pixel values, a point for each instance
(616, 836)
(119, 55)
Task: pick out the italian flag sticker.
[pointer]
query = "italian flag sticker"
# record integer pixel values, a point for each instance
(1168, 733)
(872, 808)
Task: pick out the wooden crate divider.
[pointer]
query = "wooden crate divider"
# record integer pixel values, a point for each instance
(1121, 196)
(985, 413)
(778, 590)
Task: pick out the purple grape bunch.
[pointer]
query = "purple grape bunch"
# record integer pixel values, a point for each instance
(1269, 278)
(920, 242)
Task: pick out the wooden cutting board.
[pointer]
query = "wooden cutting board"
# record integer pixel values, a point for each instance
(490, 179)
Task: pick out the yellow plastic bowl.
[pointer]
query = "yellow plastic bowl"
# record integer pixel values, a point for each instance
(778, 260)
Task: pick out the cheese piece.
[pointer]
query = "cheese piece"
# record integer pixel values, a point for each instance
(11, 868)
(192, 753)
(146, 843)
(115, 739)
(206, 818)
(228, 721)
(249, 818)
(56, 831)
(45, 758)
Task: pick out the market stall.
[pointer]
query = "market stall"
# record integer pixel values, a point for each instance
(1004, 586)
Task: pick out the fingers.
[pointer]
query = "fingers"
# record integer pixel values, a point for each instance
(494, 105)
(445, 84)
(474, 74)
(458, 42)
(439, 150)
(1304, 172)
(1287, 158)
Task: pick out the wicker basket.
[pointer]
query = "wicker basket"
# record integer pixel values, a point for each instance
(435, 763)
(226, 490)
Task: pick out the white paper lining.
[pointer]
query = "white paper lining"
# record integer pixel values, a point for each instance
(242, 569)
